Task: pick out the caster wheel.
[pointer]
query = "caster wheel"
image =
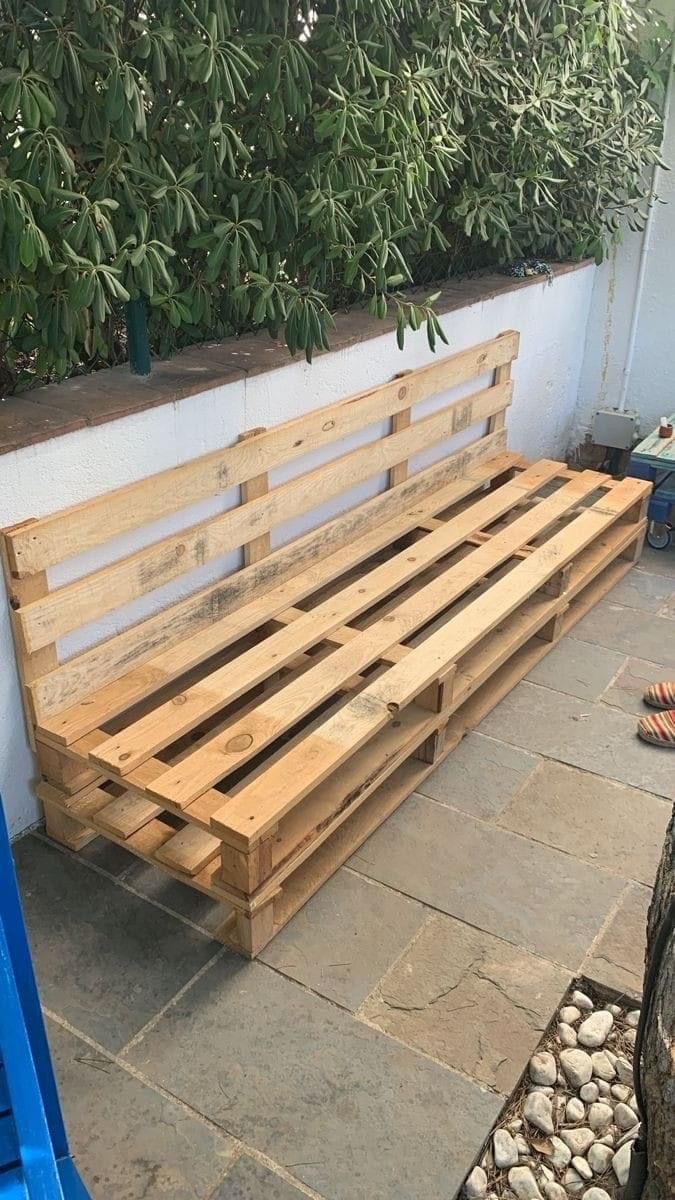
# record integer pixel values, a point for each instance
(659, 536)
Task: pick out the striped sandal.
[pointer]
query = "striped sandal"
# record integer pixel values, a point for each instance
(660, 695)
(659, 729)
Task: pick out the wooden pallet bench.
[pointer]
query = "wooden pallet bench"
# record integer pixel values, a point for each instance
(248, 736)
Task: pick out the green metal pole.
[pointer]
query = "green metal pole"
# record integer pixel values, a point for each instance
(137, 337)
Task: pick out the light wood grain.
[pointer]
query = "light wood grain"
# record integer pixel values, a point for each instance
(76, 529)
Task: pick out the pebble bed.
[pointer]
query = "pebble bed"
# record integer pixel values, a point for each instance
(567, 1132)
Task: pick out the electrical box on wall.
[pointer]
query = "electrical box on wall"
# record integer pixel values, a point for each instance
(617, 430)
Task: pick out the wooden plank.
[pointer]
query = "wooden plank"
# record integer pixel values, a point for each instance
(78, 528)
(502, 375)
(248, 816)
(339, 552)
(248, 736)
(253, 489)
(158, 728)
(127, 814)
(189, 850)
(31, 664)
(400, 420)
(112, 587)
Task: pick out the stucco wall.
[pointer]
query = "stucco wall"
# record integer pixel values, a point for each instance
(40, 479)
(650, 389)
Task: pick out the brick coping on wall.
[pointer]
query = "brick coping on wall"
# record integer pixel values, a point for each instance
(59, 408)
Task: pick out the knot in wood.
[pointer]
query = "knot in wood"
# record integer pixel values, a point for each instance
(242, 741)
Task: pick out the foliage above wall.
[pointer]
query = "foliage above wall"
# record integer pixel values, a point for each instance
(246, 163)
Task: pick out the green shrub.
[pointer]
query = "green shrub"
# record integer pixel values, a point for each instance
(260, 163)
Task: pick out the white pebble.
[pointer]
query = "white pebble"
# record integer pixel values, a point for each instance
(610, 1055)
(475, 1187)
(523, 1184)
(543, 1068)
(504, 1149)
(577, 1066)
(621, 1164)
(578, 1140)
(624, 1070)
(554, 1191)
(523, 1145)
(603, 1088)
(545, 1172)
(599, 1158)
(575, 1110)
(573, 1181)
(538, 1112)
(566, 1034)
(582, 1168)
(629, 1136)
(589, 1092)
(582, 1001)
(620, 1091)
(596, 1193)
(570, 1014)
(613, 1009)
(600, 1117)
(630, 1037)
(624, 1116)
(632, 1018)
(515, 1125)
(603, 1067)
(607, 1139)
(632, 1103)
(594, 1031)
(560, 1154)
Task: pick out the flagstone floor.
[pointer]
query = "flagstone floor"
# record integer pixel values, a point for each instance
(369, 1050)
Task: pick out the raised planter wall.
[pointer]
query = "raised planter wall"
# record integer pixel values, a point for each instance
(78, 444)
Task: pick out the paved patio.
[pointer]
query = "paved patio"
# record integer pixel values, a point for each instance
(366, 1055)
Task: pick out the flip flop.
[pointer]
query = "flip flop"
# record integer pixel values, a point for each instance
(659, 729)
(660, 695)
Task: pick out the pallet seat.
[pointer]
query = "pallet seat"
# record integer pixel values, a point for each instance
(249, 734)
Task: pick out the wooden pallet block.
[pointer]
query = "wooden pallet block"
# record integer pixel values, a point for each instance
(245, 739)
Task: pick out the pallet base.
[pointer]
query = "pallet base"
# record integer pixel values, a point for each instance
(380, 780)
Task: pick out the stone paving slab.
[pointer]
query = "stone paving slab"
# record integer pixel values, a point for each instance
(129, 1142)
(615, 827)
(638, 589)
(595, 737)
(519, 890)
(617, 959)
(154, 884)
(578, 668)
(469, 999)
(248, 1179)
(657, 562)
(627, 690)
(345, 938)
(480, 776)
(638, 634)
(106, 960)
(344, 1108)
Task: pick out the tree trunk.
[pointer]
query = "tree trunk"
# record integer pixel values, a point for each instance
(658, 1054)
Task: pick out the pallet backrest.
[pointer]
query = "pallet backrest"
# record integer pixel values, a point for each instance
(405, 434)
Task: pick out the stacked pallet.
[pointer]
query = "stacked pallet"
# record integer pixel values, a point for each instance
(249, 737)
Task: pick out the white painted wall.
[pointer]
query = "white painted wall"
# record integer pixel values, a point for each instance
(650, 381)
(41, 479)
